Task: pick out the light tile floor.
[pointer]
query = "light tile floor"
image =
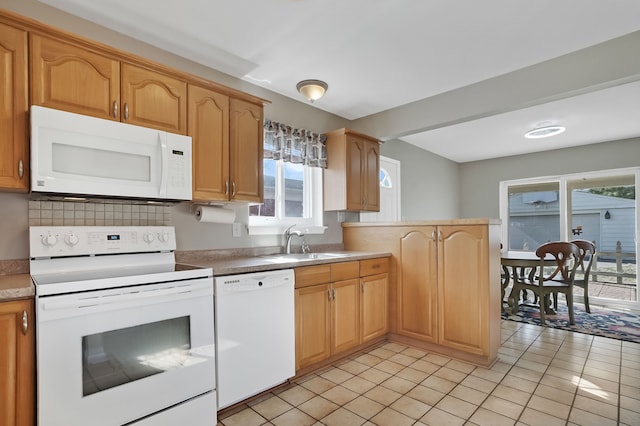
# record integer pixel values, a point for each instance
(543, 377)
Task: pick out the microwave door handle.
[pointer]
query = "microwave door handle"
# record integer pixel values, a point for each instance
(164, 160)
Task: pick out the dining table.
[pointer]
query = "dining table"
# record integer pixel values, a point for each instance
(518, 264)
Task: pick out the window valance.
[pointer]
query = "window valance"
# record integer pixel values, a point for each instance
(283, 142)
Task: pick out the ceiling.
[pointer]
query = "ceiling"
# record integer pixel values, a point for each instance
(381, 56)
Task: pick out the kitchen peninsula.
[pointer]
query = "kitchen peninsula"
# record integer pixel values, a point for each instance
(443, 283)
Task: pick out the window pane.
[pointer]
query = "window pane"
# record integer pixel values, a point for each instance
(293, 190)
(534, 216)
(268, 207)
(604, 212)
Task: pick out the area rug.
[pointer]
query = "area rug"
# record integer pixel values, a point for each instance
(600, 322)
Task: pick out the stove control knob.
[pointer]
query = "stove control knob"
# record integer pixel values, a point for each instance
(163, 237)
(71, 239)
(49, 240)
(148, 237)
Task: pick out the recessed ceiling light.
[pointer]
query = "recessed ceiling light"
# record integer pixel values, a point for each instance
(544, 132)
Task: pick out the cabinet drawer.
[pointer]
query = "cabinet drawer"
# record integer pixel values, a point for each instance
(312, 275)
(344, 271)
(374, 266)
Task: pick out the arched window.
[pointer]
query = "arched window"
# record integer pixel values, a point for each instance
(385, 179)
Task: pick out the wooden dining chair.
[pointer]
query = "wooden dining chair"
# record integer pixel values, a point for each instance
(559, 280)
(587, 254)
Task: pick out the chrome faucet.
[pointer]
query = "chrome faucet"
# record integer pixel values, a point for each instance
(287, 238)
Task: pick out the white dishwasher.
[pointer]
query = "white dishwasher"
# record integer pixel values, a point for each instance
(255, 333)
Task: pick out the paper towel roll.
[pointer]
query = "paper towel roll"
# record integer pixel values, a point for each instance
(215, 215)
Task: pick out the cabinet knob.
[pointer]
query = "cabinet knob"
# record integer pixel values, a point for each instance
(226, 187)
(20, 169)
(25, 322)
(126, 111)
(115, 109)
(233, 191)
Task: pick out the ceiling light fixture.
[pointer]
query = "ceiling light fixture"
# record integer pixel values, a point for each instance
(544, 132)
(312, 89)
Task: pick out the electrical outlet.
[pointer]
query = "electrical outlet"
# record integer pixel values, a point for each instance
(237, 229)
(341, 216)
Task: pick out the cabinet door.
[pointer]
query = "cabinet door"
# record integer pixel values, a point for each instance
(371, 173)
(208, 115)
(417, 286)
(73, 79)
(373, 301)
(356, 150)
(245, 146)
(152, 99)
(17, 364)
(463, 287)
(14, 165)
(345, 315)
(313, 324)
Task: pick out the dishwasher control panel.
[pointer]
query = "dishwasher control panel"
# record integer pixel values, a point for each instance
(254, 281)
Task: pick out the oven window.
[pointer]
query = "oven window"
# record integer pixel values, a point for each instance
(121, 356)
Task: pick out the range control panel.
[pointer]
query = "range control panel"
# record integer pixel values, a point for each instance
(58, 241)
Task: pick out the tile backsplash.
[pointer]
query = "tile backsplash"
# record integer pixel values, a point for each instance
(97, 213)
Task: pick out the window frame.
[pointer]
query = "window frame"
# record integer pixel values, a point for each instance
(313, 207)
(566, 184)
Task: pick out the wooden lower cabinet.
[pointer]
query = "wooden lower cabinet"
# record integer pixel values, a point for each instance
(337, 310)
(345, 315)
(17, 363)
(444, 283)
(374, 299)
(417, 291)
(313, 324)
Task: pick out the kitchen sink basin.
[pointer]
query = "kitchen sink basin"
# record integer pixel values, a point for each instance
(297, 257)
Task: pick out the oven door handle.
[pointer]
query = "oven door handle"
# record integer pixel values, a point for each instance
(193, 290)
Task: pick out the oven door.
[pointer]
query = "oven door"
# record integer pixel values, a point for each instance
(111, 357)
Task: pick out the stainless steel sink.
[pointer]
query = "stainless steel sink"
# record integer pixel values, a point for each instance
(297, 257)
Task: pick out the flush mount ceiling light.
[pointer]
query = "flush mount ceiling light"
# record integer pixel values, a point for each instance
(312, 89)
(544, 132)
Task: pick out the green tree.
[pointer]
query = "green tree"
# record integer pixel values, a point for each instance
(628, 192)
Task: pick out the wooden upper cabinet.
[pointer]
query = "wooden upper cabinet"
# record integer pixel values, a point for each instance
(71, 78)
(17, 363)
(14, 158)
(352, 177)
(371, 174)
(153, 99)
(208, 126)
(246, 135)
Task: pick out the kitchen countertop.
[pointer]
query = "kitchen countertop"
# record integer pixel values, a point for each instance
(241, 265)
(17, 286)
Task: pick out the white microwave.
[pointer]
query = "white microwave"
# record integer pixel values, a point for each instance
(74, 154)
